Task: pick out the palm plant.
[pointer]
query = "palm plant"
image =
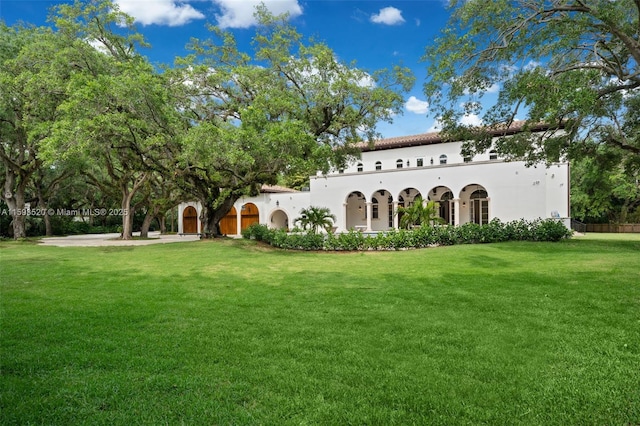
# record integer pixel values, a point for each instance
(419, 213)
(316, 218)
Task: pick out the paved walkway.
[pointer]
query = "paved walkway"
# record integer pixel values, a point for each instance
(96, 240)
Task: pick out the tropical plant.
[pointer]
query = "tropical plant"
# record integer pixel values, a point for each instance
(419, 213)
(316, 218)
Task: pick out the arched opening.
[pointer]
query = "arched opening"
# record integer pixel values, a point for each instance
(378, 165)
(356, 211)
(406, 198)
(381, 210)
(475, 204)
(360, 167)
(229, 223)
(443, 159)
(249, 215)
(444, 196)
(479, 208)
(190, 220)
(279, 220)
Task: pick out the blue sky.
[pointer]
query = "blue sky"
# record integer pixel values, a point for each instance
(375, 34)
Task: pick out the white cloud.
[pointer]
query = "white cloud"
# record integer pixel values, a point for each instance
(436, 126)
(388, 16)
(471, 120)
(417, 106)
(494, 88)
(160, 12)
(239, 13)
(531, 65)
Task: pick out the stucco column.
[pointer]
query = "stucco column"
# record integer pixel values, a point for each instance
(395, 215)
(239, 220)
(456, 211)
(369, 207)
(344, 215)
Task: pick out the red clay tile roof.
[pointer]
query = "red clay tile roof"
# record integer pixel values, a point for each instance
(436, 138)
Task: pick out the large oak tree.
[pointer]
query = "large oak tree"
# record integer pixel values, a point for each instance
(571, 64)
(290, 105)
(117, 112)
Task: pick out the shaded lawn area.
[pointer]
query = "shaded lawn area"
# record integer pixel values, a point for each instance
(231, 332)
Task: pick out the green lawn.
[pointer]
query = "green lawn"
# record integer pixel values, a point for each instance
(230, 332)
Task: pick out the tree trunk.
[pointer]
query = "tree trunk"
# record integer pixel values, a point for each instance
(211, 217)
(162, 222)
(127, 211)
(148, 219)
(48, 231)
(127, 216)
(42, 206)
(15, 203)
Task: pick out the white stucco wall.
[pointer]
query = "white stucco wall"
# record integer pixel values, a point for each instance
(514, 191)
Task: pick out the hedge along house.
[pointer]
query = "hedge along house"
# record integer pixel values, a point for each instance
(393, 173)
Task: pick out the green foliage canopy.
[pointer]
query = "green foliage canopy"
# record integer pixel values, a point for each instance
(290, 106)
(572, 64)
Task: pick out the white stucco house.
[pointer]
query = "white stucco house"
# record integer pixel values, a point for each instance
(392, 173)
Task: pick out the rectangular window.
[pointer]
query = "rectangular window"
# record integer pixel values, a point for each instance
(420, 162)
(374, 211)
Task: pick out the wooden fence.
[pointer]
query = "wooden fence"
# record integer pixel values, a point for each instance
(615, 228)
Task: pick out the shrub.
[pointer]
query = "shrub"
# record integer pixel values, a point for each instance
(551, 230)
(352, 240)
(468, 233)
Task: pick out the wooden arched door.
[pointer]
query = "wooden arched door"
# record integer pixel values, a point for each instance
(229, 223)
(249, 215)
(190, 220)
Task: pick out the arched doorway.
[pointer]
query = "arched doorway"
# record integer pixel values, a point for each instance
(190, 220)
(479, 206)
(447, 208)
(474, 204)
(229, 223)
(249, 215)
(381, 210)
(356, 211)
(279, 220)
(407, 198)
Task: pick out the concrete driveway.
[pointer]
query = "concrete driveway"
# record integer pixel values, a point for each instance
(97, 240)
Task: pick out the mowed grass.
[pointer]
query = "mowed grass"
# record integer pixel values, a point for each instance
(230, 332)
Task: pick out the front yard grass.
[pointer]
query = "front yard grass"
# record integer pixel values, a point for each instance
(232, 332)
